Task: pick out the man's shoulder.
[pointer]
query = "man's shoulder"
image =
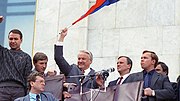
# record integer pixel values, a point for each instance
(74, 68)
(134, 74)
(3, 48)
(134, 77)
(113, 81)
(25, 53)
(92, 69)
(22, 98)
(160, 76)
(48, 95)
(73, 65)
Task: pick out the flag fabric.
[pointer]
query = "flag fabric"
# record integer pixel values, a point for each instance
(98, 5)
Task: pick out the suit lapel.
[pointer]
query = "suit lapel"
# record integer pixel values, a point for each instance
(43, 97)
(26, 98)
(154, 78)
(115, 82)
(140, 76)
(87, 78)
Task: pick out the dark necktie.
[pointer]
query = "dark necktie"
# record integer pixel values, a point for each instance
(37, 97)
(82, 78)
(146, 85)
(120, 79)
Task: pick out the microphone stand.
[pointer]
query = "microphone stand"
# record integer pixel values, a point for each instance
(105, 75)
(79, 76)
(91, 89)
(76, 76)
(91, 78)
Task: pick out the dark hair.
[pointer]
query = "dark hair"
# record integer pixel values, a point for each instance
(164, 67)
(32, 77)
(16, 31)
(153, 56)
(39, 56)
(129, 61)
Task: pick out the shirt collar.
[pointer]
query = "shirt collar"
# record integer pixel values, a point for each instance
(33, 96)
(86, 72)
(126, 75)
(124, 78)
(150, 72)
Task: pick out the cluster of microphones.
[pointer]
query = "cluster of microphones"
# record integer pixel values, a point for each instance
(105, 73)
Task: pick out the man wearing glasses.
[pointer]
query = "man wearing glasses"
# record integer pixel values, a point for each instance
(36, 84)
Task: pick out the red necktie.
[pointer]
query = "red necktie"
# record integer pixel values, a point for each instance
(120, 79)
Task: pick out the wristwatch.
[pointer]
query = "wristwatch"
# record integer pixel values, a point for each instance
(153, 93)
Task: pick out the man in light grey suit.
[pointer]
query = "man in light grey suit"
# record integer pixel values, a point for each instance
(157, 87)
(36, 85)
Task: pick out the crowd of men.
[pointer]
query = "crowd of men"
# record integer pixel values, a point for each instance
(20, 83)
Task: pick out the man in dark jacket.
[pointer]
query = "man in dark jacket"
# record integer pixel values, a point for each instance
(36, 84)
(157, 87)
(15, 66)
(85, 58)
(124, 65)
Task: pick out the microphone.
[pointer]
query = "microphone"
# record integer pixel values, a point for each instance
(110, 70)
(107, 70)
(105, 73)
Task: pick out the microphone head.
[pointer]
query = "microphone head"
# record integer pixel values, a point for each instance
(105, 74)
(111, 69)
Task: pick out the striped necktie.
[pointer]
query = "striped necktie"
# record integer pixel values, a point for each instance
(37, 97)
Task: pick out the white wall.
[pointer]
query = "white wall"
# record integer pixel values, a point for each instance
(125, 28)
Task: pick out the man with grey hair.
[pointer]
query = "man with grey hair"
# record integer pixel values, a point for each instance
(85, 58)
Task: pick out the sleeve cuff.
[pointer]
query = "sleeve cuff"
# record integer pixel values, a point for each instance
(153, 93)
(59, 43)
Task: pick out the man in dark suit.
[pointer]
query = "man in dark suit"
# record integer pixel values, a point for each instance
(124, 65)
(163, 69)
(157, 87)
(36, 84)
(85, 58)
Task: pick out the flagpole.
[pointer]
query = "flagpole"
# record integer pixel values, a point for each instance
(69, 26)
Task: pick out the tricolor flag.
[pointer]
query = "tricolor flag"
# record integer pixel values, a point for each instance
(98, 5)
